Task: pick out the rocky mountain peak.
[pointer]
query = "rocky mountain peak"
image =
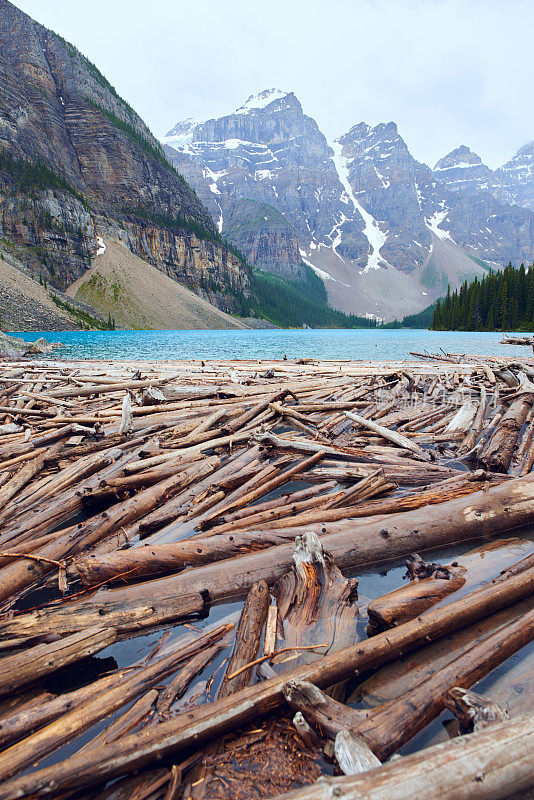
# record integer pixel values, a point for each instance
(181, 134)
(376, 225)
(257, 102)
(183, 128)
(369, 142)
(461, 157)
(517, 176)
(462, 170)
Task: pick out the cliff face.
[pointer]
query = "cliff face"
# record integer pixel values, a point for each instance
(75, 159)
(385, 232)
(269, 153)
(211, 270)
(516, 177)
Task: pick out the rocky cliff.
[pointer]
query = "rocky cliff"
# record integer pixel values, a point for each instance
(380, 228)
(76, 160)
(516, 177)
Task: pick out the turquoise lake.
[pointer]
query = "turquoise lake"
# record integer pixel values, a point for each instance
(271, 344)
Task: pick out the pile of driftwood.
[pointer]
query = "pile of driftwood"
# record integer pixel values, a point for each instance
(138, 500)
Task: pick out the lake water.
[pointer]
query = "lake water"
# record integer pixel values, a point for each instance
(271, 344)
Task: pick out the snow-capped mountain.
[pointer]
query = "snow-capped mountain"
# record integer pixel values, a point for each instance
(517, 176)
(463, 171)
(385, 232)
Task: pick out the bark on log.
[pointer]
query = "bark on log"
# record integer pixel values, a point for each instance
(478, 516)
(205, 723)
(20, 669)
(491, 765)
(386, 728)
(498, 451)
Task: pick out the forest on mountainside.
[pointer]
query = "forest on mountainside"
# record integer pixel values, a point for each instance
(501, 301)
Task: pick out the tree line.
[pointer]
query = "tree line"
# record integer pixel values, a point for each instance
(500, 301)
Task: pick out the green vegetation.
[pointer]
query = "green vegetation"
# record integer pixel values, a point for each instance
(500, 301)
(250, 216)
(95, 72)
(83, 316)
(178, 221)
(480, 262)
(31, 176)
(297, 303)
(421, 320)
(151, 148)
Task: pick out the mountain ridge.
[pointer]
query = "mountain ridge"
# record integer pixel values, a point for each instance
(354, 207)
(76, 161)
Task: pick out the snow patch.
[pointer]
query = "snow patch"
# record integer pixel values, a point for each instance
(320, 272)
(434, 222)
(213, 177)
(372, 231)
(385, 182)
(101, 246)
(459, 165)
(261, 100)
(419, 195)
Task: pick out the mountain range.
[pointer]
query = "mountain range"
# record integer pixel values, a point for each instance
(255, 213)
(385, 232)
(78, 164)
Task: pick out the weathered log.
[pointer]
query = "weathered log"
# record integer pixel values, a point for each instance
(205, 723)
(353, 754)
(490, 765)
(316, 606)
(23, 721)
(387, 727)
(106, 388)
(46, 740)
(462, 420)
(17, 576)
(26, 473)
(392, 436)
(470, 439)
(248, 416)
(67, 503)
(139, 610)
(179, 684)
(412, 599)
(264, 488)
(22, 668)
(397, 678)
(498, 451)
(247, 638)
(478, 516)
(125, 723)
(474, 711)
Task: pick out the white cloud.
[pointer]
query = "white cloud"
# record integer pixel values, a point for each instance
(449, 72)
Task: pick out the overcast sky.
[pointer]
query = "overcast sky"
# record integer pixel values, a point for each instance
(448, 72)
